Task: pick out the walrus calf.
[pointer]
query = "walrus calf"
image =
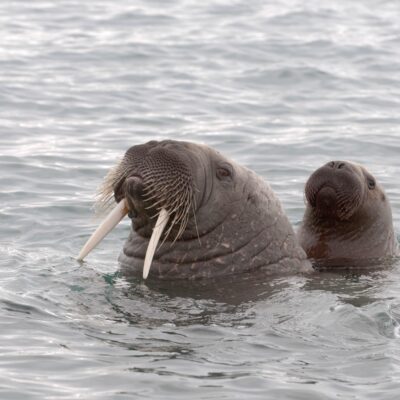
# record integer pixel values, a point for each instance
(348, 219)
(212, 216)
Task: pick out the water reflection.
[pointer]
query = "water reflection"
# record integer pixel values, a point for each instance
(204, 302)
(356, 286)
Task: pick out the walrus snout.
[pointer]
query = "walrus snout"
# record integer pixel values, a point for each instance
(334, 190)
(155, 176)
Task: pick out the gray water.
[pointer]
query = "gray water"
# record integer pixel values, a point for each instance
(280, 87)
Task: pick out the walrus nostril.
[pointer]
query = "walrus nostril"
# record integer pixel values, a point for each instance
(336, 164)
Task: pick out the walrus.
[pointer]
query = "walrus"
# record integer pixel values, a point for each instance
(348, 218)
(196, 214)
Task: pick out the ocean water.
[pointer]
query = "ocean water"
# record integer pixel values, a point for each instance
(281, 87)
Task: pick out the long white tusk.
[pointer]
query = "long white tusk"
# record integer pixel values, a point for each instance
(155, 237)
(104, 228)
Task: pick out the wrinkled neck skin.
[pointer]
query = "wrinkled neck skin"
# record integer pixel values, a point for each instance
(236, 228)
(366, 238)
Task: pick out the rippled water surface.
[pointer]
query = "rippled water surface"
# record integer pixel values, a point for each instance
(281, 87)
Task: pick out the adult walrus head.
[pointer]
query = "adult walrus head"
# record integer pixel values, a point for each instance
(211, 216)
(348, 216)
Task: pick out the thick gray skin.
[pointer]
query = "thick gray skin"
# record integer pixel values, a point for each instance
(363, 239)
(240, 223)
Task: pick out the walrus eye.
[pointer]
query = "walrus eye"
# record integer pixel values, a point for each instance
(371, 184)
(223, 173)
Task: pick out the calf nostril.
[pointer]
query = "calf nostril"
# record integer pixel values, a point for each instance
(336, 164)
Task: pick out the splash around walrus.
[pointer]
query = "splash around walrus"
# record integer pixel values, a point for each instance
(348, 218)
(196, 214)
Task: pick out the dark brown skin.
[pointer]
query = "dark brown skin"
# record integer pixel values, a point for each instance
(348, 219)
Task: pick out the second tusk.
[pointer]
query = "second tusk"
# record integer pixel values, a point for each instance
(104, 228)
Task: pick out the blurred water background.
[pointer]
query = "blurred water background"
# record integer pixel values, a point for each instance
(279, 86)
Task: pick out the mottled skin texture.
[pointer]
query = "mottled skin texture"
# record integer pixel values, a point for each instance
(348, 219)
(239, 224)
